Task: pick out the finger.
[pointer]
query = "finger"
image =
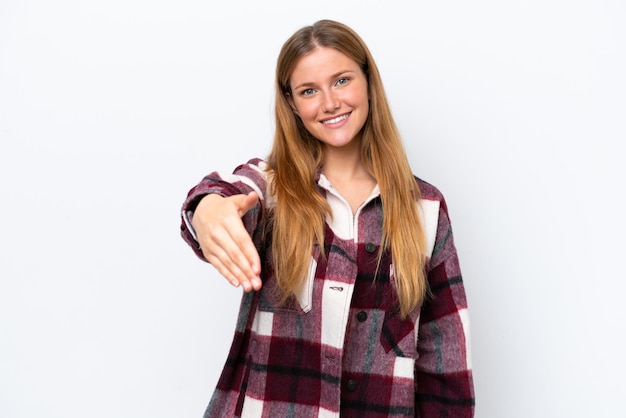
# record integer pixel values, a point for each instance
(246, 202)
(234, 278)
(232, 245)
(222, 269)
(232, 264)
(244, 253)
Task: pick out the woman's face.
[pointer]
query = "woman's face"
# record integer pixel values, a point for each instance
(329, 92)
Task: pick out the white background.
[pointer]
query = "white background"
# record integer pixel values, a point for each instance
(110, 111)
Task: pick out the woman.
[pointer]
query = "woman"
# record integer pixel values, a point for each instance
(353, 303)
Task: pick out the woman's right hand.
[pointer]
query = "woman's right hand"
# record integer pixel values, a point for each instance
(224, 240)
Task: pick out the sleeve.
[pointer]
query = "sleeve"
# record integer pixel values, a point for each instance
(245, 178)
(443, 371)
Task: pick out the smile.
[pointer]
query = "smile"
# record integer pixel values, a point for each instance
(336, 120)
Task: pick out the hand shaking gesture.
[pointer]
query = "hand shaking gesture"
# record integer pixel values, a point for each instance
(224, 240)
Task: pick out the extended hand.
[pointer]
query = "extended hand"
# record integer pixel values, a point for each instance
(224, 240)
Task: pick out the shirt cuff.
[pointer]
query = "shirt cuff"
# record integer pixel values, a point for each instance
(187, 216)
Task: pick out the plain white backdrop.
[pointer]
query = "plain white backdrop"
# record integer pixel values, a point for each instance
(110, 111)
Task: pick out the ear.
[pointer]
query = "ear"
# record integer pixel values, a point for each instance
(291, 103)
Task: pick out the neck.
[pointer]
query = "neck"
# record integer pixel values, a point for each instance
(343, 164)
(348, 175)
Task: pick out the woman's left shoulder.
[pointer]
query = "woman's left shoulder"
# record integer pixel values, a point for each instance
(428, 191)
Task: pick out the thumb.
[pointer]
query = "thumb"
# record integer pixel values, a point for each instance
(247, 202)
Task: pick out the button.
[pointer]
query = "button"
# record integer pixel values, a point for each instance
(370, 248)
(351, 385)
(361, 316)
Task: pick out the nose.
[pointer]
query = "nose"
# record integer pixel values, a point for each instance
(330, 102)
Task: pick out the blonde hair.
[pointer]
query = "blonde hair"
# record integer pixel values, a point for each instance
(300, 211)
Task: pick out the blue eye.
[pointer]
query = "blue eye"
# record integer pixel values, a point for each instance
(307, 92)
(342, 81)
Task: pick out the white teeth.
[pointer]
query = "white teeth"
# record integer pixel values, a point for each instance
(335, 120)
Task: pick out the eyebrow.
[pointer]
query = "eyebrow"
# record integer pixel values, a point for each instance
(336, 75)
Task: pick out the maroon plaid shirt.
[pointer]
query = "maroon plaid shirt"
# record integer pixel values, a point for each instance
(340, 348)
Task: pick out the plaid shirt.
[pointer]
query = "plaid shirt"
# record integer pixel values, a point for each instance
(340, 347)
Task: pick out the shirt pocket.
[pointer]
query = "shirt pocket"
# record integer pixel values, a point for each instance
(397, 333)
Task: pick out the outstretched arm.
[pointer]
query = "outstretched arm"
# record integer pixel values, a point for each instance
(222, 218)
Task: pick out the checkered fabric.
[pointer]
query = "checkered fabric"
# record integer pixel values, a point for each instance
(340, 347)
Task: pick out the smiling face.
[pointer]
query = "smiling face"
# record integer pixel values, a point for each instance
(329, 93)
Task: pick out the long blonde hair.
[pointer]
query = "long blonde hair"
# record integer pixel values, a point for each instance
(300, 210)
